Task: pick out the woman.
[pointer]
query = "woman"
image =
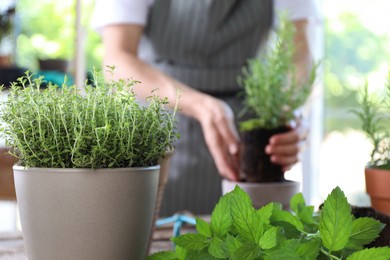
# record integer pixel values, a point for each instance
(198, 48)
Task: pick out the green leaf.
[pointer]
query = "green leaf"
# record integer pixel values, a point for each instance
(168, 255)
(265, 213)
(203, 227)
(297, 202)
(180, 252)
(194, 242)
(238, 191)
(269, 239)
(232, 244)
(285, 216)
(248, 251)
(309, 249)
(306, 215)
(246, 221)
(221, 219)
(199, 255)
(216, 248)
(382, 253)
(364, 231)
(281, 254)
(336, 221)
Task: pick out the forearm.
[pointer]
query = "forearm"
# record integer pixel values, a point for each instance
(302, 58)
(129, 66)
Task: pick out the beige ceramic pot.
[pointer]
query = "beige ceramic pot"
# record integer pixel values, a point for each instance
(86, 214)
(264, 193)
(377, 186)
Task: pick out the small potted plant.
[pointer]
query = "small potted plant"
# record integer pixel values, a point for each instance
(239, 231)
(272, 94)
(87, 175)
(374, 114)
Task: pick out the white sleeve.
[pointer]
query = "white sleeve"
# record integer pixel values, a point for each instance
(296, 9)
(108, 12)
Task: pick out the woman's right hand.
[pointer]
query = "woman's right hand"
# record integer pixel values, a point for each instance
(221, 137)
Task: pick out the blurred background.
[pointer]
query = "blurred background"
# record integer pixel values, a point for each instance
(351, 38)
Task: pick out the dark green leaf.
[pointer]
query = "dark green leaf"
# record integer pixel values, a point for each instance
(306, 215)
(336, 221)
(194, 242)
(199, 255)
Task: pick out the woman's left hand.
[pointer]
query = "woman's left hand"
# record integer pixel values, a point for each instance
(285, 148)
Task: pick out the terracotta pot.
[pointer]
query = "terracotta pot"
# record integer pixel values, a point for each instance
(7, 187)
(86, 214)
(377, 186)
(264, 193)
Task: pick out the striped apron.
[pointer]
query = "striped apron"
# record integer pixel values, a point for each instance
(204, 44)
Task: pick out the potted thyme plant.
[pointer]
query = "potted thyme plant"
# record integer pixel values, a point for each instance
(374, 114)
(239, 231)
(87, 175)
(272, 96)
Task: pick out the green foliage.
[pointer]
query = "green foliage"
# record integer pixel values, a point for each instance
(262, 234)
(272, 91)
(374, 114)
(106, 128)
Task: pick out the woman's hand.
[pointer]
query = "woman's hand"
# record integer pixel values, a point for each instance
(285, 148)
(217, 121)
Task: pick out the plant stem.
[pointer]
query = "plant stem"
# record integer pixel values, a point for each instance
(329, 254)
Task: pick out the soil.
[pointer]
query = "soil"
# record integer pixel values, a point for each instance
(256, 165)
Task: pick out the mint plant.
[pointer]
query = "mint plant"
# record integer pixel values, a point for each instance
(238, 231)
(272, 91)
(56, 127)
(374, 114)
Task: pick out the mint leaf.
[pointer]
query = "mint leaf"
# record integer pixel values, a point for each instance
(297, 202)
(281, 254)
(247, 251)
(232, 244)
(364, 231)
(285, 216)
(309, 249)
(238, 191)
(336, 221)
(203, 227)
(306, 215)
(246, 221)
(265, 213)
(221, 220)
(216, 248)
(269, 239)
(199, 255)
(180, 252)
(191, 241)
(381, 253)
(168, 255)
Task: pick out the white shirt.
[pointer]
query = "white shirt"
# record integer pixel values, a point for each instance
(136, 11)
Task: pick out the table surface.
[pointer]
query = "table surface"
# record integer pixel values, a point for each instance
(12, 246)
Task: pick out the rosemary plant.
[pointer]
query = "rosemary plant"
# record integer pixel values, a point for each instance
(374, 114)
(272, 91)
(56, 127)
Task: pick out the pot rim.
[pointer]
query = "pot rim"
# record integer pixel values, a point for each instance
(123, 169)
(268, 184)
